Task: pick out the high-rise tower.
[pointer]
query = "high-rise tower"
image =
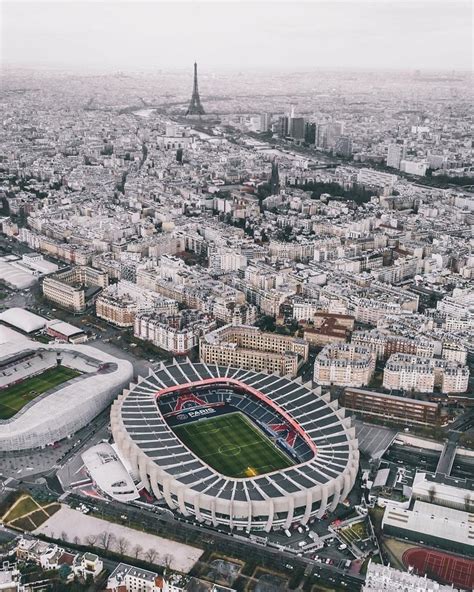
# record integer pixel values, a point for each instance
(195, 107)
(275, 179)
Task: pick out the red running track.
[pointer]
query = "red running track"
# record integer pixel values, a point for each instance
(443, 567)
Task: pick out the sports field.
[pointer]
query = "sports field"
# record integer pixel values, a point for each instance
(442, 567)
(233, 446)
(14, 397)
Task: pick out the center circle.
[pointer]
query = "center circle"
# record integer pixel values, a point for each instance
(230, 450)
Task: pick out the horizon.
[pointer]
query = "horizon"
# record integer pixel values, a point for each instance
(301, 36)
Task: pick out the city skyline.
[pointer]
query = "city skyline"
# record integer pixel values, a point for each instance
(261, 35)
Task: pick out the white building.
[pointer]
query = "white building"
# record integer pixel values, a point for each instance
(344, 364)
(396, 153)
(127, 578)
(414, 373)
(176, 333)
(108, 473)
(386, 578)
(413, 167)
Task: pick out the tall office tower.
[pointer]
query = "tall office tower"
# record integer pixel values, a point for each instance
(195, 107)
(343, 146)
(396, 153)
(265, 119)
(296, 128)
(335, 129)
(310, 133)
(321, 140)
(275, 179)
(283, 126)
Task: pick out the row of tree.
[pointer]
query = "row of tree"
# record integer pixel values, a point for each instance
(109, 542)
(356, 193)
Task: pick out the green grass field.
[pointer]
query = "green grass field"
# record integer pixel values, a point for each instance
(233, 446)
(14, 397)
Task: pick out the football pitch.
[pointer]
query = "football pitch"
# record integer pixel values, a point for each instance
(13, 398)
(233, 446)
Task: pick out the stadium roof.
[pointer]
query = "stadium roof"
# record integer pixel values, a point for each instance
(70, 406)
(23, 319)
(324, 425)
(8, 335)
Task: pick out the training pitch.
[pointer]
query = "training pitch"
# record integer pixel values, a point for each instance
(16, 396)
(233, 446)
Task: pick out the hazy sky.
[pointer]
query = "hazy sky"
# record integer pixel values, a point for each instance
(435, 34)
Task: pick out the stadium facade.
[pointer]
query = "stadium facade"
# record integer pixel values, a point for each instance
(303, 423)
(66, 408)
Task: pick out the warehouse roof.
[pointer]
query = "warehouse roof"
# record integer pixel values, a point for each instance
(65, 329)
(436, 521)
(15, 277)
(23, 319)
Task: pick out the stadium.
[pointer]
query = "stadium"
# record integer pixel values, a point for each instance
(235, 447)
(48, 392)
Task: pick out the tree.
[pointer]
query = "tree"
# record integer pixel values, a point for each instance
(106, 539)
(168, 560)
(122, 545)
(76, 540)
(150, 555)
(64, 572)
(64, 536)
(137, 551)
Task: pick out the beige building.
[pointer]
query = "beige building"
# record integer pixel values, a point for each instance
(176, 333)
(120, 303)
(414, 373)
(384, 345)
(344, 364)
(247, 347)
(118, 311)
(76, 288)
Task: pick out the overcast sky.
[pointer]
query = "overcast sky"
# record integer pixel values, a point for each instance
(433, 34)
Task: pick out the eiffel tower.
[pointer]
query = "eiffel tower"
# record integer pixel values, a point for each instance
(195, 107)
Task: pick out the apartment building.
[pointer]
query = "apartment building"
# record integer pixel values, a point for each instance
(386, 578)
(397, 409)
(128, 578)
(370, 311)
(373, 178)
(118, 311)
(122, 302)
(247, 347)
(413, 373)
(344, 364)
(454, 351)
(177, 333)
(384, 345)
(75, 289)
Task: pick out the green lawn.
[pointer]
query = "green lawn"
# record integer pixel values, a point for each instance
(14, 397)
(233, 446)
